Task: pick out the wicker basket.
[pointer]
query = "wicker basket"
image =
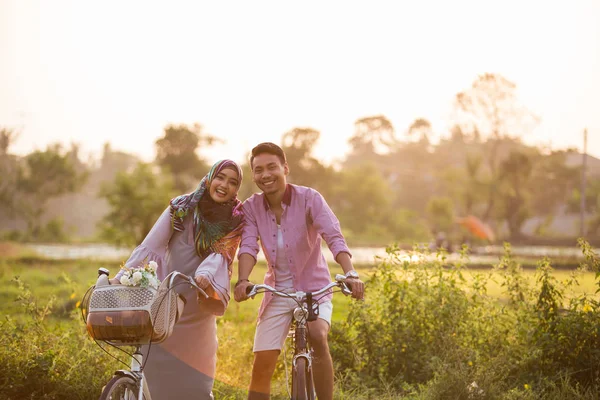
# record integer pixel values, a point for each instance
(132, 315)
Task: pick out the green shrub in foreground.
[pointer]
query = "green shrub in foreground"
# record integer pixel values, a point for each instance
(426, 330)
(50, 361)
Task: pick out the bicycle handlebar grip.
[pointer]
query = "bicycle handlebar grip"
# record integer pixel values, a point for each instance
(249, 289)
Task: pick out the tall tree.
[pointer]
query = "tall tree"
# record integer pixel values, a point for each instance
(474, 185)
(362, 198)
(8, 171)
(489, 108)
(420, 130)
(305, 169)
(515, 191)
(46, 174)
(463, 184)
(440, 213)
(7, 137)
(373, 134)
(410, 167)
(136, 199)
(176, 153)
(552, 184)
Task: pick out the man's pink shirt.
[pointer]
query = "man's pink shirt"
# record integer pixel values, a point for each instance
(306, 218)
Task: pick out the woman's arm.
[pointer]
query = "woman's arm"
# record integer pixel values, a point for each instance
(153, 247)
(213, 276)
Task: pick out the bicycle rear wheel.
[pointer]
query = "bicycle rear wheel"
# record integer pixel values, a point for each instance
(302, 382)
(120, 388)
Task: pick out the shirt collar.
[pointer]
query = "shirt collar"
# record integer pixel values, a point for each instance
(287, 197)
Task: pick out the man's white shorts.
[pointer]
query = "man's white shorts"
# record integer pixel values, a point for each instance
(274, 325)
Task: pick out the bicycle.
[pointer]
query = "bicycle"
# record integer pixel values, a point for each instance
(307, 310)
(120, 315)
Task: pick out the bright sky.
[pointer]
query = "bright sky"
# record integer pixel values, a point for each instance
(119, 71)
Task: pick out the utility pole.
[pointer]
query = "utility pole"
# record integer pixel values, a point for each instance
(583, 178)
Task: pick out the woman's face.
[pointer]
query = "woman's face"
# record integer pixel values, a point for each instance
(224, 185)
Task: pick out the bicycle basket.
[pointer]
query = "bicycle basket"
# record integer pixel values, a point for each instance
(132, 315)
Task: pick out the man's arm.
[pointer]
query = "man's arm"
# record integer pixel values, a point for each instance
(247, 253)
(345, 262)
(328, 227)
(245, 265)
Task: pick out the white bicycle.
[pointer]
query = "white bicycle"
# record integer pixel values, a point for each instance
(122, 316)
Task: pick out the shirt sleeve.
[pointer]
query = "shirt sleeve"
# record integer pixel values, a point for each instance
(154, 246)
(249, 243)
(327, 224)
(216, 268)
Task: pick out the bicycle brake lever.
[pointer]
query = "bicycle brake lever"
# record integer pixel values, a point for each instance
(345, 289)
(250, 292)
(341, 279)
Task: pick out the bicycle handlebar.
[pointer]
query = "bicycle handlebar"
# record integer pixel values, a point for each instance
(340, 281)
(187, 278)
(171, 277)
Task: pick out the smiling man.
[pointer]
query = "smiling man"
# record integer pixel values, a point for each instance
(289, 221)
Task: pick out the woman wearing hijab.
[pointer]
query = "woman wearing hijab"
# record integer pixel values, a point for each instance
(198, 235)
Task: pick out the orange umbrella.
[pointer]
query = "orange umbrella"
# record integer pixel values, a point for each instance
(477, 227)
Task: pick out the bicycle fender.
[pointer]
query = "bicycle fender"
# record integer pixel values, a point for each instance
(123, 372)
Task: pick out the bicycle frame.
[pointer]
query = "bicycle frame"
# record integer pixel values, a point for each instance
(301, 340)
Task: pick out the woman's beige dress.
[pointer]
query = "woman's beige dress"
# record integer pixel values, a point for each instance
(183, 366)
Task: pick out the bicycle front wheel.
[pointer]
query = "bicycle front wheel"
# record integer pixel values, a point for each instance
(302, 383)
(120, 388)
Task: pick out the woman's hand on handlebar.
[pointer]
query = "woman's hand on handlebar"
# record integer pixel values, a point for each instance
(357, 286)
(240, 293)
(202, 281)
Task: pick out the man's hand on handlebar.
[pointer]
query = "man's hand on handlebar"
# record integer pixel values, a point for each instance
(240, 290)
(357, 286)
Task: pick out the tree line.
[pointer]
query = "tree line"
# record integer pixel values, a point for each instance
(394, 185)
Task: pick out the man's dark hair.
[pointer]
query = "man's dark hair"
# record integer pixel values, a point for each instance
(269, 148)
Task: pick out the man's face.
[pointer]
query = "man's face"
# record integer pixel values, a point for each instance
(269, 174)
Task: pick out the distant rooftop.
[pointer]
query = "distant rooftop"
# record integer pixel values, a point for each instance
(593, 163)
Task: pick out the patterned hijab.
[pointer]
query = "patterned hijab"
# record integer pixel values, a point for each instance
(217, 226)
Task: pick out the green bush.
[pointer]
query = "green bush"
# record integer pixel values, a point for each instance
(425, 328)
(50, 361)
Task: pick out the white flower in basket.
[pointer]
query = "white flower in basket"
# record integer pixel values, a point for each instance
(142, 276)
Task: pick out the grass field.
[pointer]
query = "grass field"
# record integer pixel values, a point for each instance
(64, 282)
